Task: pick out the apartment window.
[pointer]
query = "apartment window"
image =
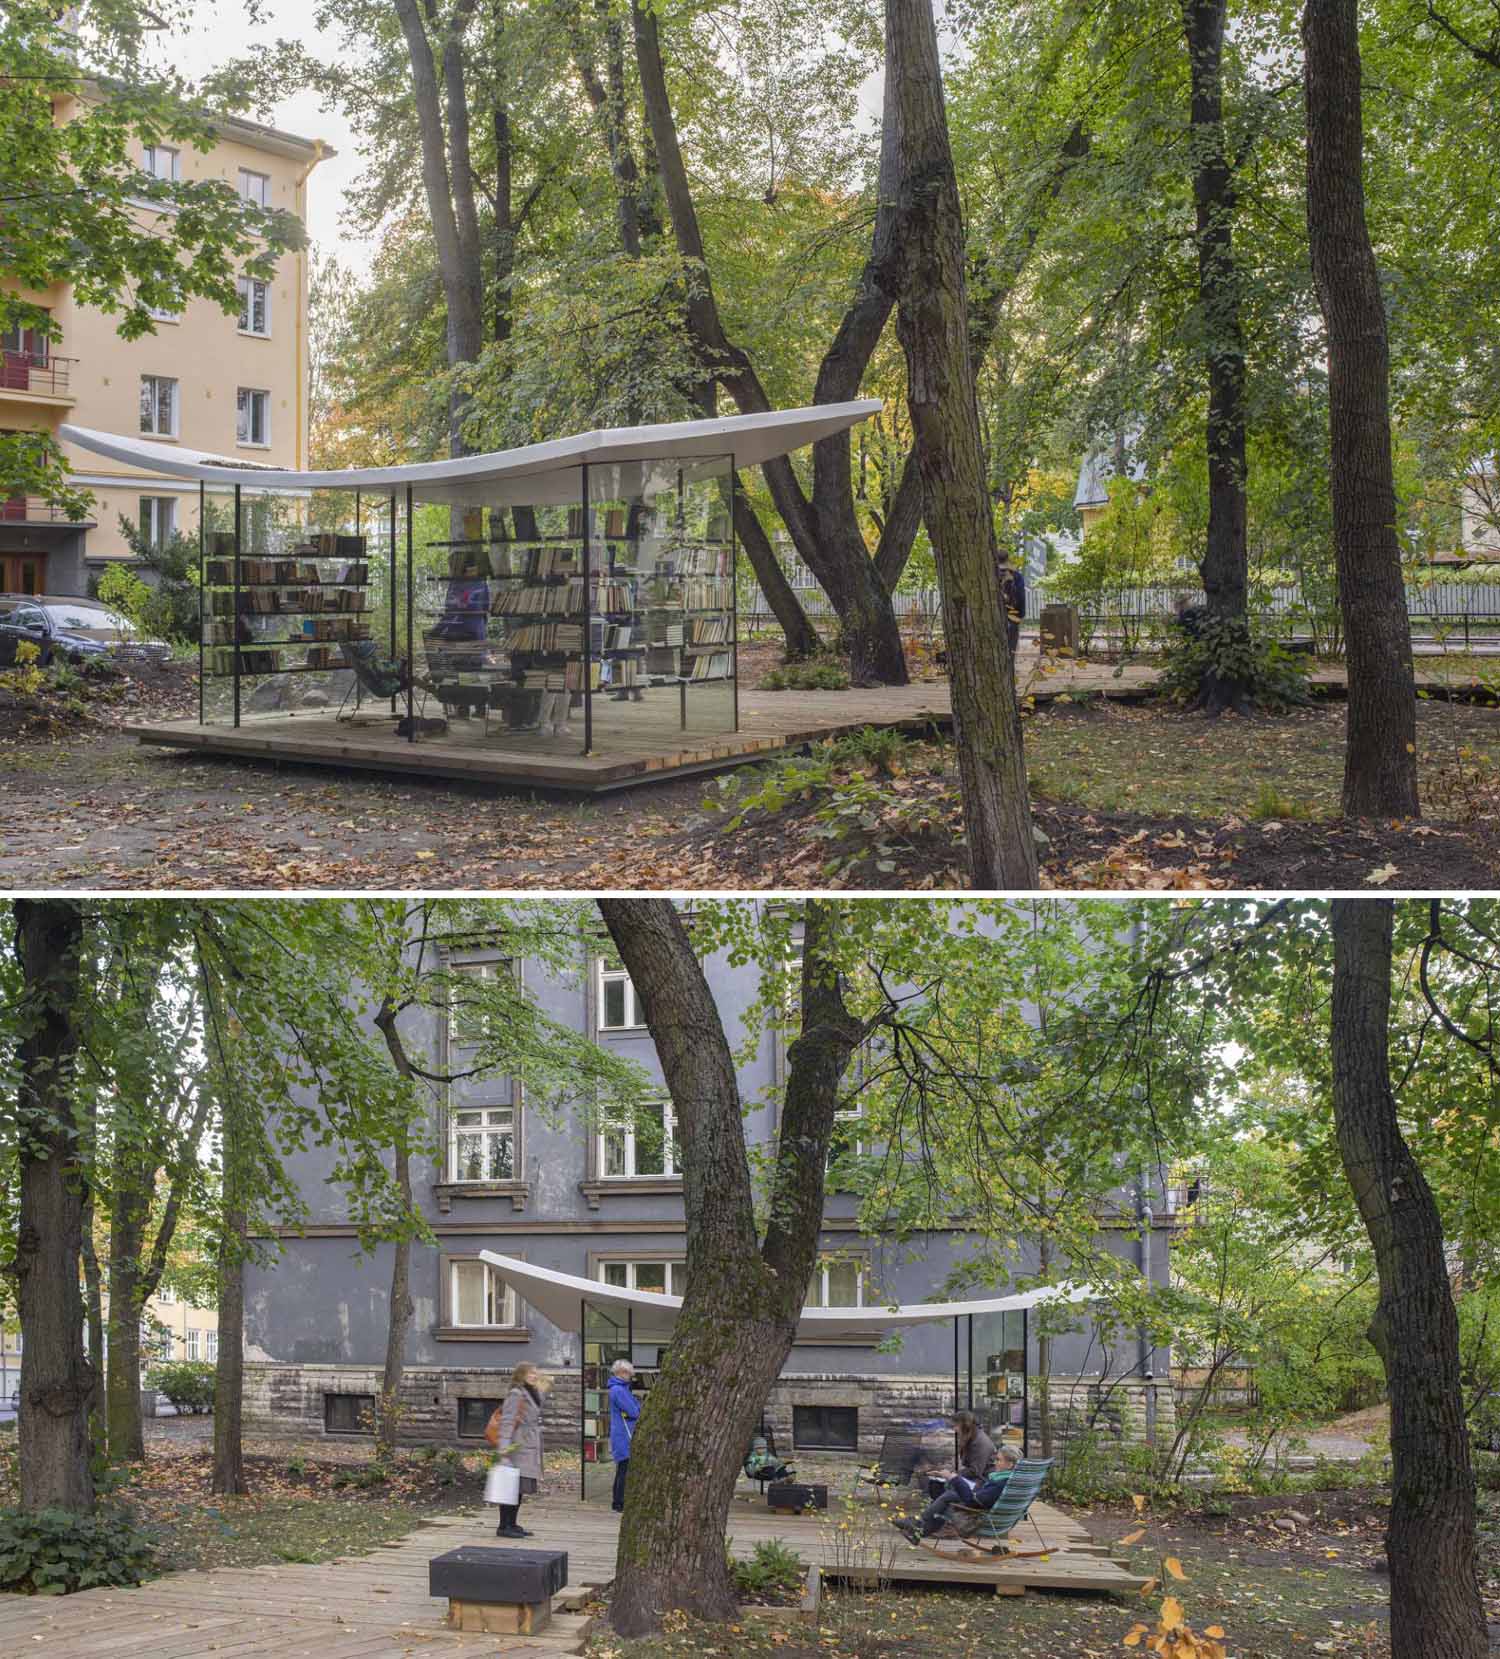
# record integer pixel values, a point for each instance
(252, 416)
(470, 1020)
(166, 1295)
(482, 1144)
(158, 524)
(664, 1278)
(837, 1282)
(194, 1344)
(644, 1144)
(159, 405)
(349, 1413)
(255, 187)
(618, 1008)
(158, 1344)
(825, 1428)
(160, 161)
(255, 307)
(473, 1417)
(479, 1299)
(211, 1345)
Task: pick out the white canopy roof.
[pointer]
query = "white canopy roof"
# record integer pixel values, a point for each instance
(644, 459)
(559, 1297)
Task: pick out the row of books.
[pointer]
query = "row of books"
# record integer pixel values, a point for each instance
(279, 573)
(284, 601)
(709, 630)
(231, 633)
(315, 544)
(712, 665)
(563, 600)
(706, 594)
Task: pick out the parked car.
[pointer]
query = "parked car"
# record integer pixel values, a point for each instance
(72, 630)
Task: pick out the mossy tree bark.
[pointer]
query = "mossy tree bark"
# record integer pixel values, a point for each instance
(1380, 753)
(1430, 1543)
(932, 324)
(57, 1381)
(744, 1294)
(1225, 567)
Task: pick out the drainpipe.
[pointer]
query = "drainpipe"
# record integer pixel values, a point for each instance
(1144, 1347)
(299, 309)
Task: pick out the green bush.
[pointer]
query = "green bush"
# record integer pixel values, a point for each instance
(187, 1383)
(362, 1480)
(883, 747)
(772, 1566)
(807, 676)
(52, 1552)
(1275, 677)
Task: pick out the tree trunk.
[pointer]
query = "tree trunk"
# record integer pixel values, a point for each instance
(797, 628)
(1435, 1605)
(93, 1290)
(57, 1381)
(825, 531)
(399, 1317)
(229, 1370)
(1380, 754)
(743, 1298)
(127, 1226)
(932, 324)
(1225, 567)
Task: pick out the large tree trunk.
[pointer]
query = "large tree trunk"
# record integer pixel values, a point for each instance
(449, 190)
(743, 1297)
(229, 1372)
(1435, 1606)
(1380, 754)
(130, 1194)
(57, 1381)
(932, 324)
(824, 531)
(399, 1314)
(796, 626)
(1225, 567)
(93, 1291)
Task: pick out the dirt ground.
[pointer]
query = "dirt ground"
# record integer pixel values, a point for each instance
(1126, 797)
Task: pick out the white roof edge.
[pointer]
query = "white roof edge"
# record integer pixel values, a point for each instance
(749, 438)
(545, 1289)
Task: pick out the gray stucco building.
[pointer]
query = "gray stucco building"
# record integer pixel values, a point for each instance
(608, 1206)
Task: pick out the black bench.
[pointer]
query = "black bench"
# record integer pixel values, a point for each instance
(791, 1497)
(498, 1592)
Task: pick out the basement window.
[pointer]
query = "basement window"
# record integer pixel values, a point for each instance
(473, 1416)
(349, 1413)
(825, 1428)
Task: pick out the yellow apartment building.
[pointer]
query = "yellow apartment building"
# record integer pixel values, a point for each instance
(205, 380)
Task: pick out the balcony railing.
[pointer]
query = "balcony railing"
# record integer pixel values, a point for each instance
(31, 509)
(30, 371)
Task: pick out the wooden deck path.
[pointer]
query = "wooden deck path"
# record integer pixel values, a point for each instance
(376, 1606)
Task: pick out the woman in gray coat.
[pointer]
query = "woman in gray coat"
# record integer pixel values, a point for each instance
(515, 1431)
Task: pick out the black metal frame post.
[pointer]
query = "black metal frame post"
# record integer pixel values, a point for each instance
(411, 649)
(234, 626)
(1025, 1382)
(391, 590)
(203, 590)
(734, 594)
(588, 623)
(583, 1353)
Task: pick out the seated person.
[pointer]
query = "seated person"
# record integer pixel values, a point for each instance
(980, 1493)
(761, 1463)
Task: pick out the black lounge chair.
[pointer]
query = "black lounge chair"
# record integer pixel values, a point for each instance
(382, 677)
(901, 1454)
(762, 1463)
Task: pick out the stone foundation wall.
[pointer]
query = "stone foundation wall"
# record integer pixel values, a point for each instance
(288, 1401)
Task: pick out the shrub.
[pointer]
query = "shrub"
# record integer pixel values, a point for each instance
(881, 747)
(1275, 678)
(187, 1383)
(772, 1566)
(807, 676)
(362, 1480)
(52, 1552)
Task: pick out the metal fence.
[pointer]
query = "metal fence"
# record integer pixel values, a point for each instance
(1454, 614)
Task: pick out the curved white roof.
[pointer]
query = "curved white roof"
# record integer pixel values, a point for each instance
(536, 474)
(559, 1297)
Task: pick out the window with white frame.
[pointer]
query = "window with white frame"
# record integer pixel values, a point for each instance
(194, 1344)
(159, 405)
(255, 187)
(166, 1296)
(640, 1144)
(158, 522)
(667, 1278)
(255, 307)
(211, 1345)
(618, 1008)
(470, 1020)
(252, 416)
(478, 1298)
(837, 1282)
(161, 161)
(482, 1143)
(162, 314)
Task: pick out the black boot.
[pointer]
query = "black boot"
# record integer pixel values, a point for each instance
(508, 1527)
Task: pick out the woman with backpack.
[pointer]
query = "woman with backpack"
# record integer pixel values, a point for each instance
(515, 1431)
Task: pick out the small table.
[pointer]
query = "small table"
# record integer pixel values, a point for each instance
(498, 1592)
(792, 1497)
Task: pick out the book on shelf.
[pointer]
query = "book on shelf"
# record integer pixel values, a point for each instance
(708, 630)
(545, 561)
(707, 594)
(712, 665)
(331, 544)
(626, 671)
(575, 678)
(469, 561)
(664, 659)
(614, 524)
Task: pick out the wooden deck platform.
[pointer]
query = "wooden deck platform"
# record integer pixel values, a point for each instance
(634, 743)
(376, 1606)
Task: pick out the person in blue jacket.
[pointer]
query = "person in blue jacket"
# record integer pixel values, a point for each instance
(624, 1408)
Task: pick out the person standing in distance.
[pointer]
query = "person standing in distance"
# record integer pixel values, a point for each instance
(624, 1409)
